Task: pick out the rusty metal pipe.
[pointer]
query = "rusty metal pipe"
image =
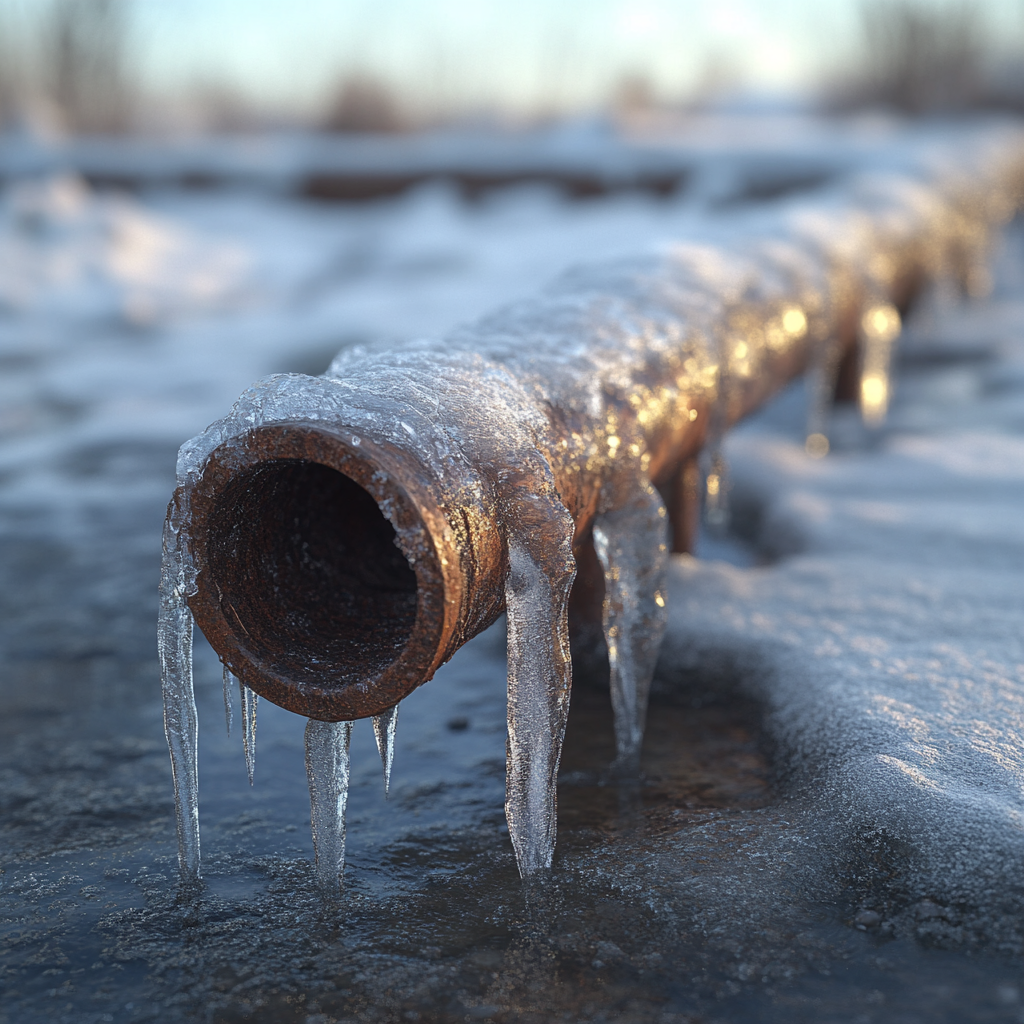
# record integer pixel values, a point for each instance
(337, 539)
(300, 587)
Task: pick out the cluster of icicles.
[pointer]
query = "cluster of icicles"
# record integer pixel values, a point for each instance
(327, 768)
(843, 244)
(327, 743)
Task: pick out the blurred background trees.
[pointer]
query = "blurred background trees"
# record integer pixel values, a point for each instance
(918, 58)
(363, 102)
(85, 49)
(110, 66)
(66, 65)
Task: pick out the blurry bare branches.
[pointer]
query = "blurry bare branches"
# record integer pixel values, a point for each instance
(919, 58)
(10, 77)
(84, 59)
(365, 103)
(633, 96)
(220, 106)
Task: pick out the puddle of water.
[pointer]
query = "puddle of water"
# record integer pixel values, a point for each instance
(695, 759)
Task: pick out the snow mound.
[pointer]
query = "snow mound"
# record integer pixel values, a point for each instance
(887, 650)
(66, 251)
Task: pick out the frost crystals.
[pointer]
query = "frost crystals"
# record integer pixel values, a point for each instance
(327, 768)
(632, 545)
(384, 726)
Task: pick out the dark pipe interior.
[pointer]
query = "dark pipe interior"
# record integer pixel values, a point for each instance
(309, 575)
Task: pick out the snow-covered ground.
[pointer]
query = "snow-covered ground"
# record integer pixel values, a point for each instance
(886, 642)
(882, 636)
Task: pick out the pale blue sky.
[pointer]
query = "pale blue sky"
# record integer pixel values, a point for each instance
(512, 53)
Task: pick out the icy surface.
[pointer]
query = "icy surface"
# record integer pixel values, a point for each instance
(887, 649)
(66, 252)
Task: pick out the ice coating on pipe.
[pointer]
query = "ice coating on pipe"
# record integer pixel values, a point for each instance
(556, 411)
(327, 769)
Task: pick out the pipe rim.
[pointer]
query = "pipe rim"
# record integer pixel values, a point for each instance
(400, 488)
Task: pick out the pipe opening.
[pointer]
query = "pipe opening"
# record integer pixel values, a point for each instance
(309, 576)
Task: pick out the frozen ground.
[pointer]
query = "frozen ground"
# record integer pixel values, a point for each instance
(884, 644)
(829, 825)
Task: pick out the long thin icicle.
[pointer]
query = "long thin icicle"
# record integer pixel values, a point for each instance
(229, 712)
(632, 545)
(249, 701)
(821, 387)
(880, 327)
(181, 723)
(716, 482)
(327, 768)
(384, 726)
(541, 571)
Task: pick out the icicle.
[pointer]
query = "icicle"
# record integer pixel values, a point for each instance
(822, 378)
(327, 768)
(249, 701)
(541, 571)
(632, 545)
(880, 327)
(181, 723)
(384, 726)
(716, 504)
(716, 487)
(228, 709)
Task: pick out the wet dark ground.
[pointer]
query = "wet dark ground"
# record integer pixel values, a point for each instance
(700, 894)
